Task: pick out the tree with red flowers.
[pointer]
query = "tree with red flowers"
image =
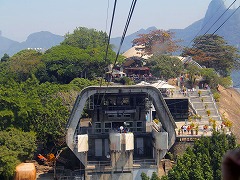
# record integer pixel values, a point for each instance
(157, 42)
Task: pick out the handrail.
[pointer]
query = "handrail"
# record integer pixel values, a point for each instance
(99, 163)
(215, 106)
(191, 105)
(145, 162)
(156, 126)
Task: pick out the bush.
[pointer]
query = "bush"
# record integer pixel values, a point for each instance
(216, 96)
(126, 81)
(226, 81)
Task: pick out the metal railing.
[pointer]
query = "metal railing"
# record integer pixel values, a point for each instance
(213, 100)
(156, 126)
(145, 162)
(99, 163)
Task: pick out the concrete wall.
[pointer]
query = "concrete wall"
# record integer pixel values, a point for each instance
(109, 176)
(180, 147)
(148, 172)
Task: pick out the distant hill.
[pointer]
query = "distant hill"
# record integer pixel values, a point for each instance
(127, 44)
(230, 30)
(6, 44)
(43, 39)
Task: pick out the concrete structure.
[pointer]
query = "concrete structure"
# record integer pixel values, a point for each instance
(118, 140)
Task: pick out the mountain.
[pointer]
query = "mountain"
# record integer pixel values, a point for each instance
(127, 43)
(43, 39)
(6, 44)
(209, 24)
(187, 35)
(227, 20)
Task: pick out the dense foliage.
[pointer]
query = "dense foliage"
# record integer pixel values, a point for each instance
(5, 57)
(213, 79)
(64, 63)
(21, 65)
(165, 66)
(153, 177)
(81, 55)
(203, 161)
(212, 51)
(33, 106)
(85, 38)
(38, 91)
(16, 146)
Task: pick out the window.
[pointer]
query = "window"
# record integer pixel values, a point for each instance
(139, 124)
(98, 125)
(127, 115)
(125, 101)
(108, 125)
(110, 115)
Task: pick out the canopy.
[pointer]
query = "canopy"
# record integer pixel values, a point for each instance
(143, 83)
(167, 86)
(162, 85)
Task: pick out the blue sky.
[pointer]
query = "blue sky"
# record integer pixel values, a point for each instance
(19, 18)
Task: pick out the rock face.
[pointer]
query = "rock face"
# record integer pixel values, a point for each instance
(229, 105)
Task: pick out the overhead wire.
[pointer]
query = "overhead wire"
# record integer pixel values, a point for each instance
(130, 15)
(109, 37)
(211, 27)
(109, 34)
(124, 33)
(206, 24)
(226, 19)
(110, 30)
(122, 39)
(126, 27)
(220, 25)
(220, 16)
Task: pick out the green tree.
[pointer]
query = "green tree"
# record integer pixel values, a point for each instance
(23, 64)
(154, 176)
(34, 106)
(81, 83)
(211, 77)
(85, 38)
(193, 72)
(144, 176)
(63, 63)
(212, 51)
(16, 146)
(226, 81)
(5, 58)
(203, 160)
(157, 42)
(165, 66)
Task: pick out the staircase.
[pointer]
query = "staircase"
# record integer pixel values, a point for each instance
(202, 104)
